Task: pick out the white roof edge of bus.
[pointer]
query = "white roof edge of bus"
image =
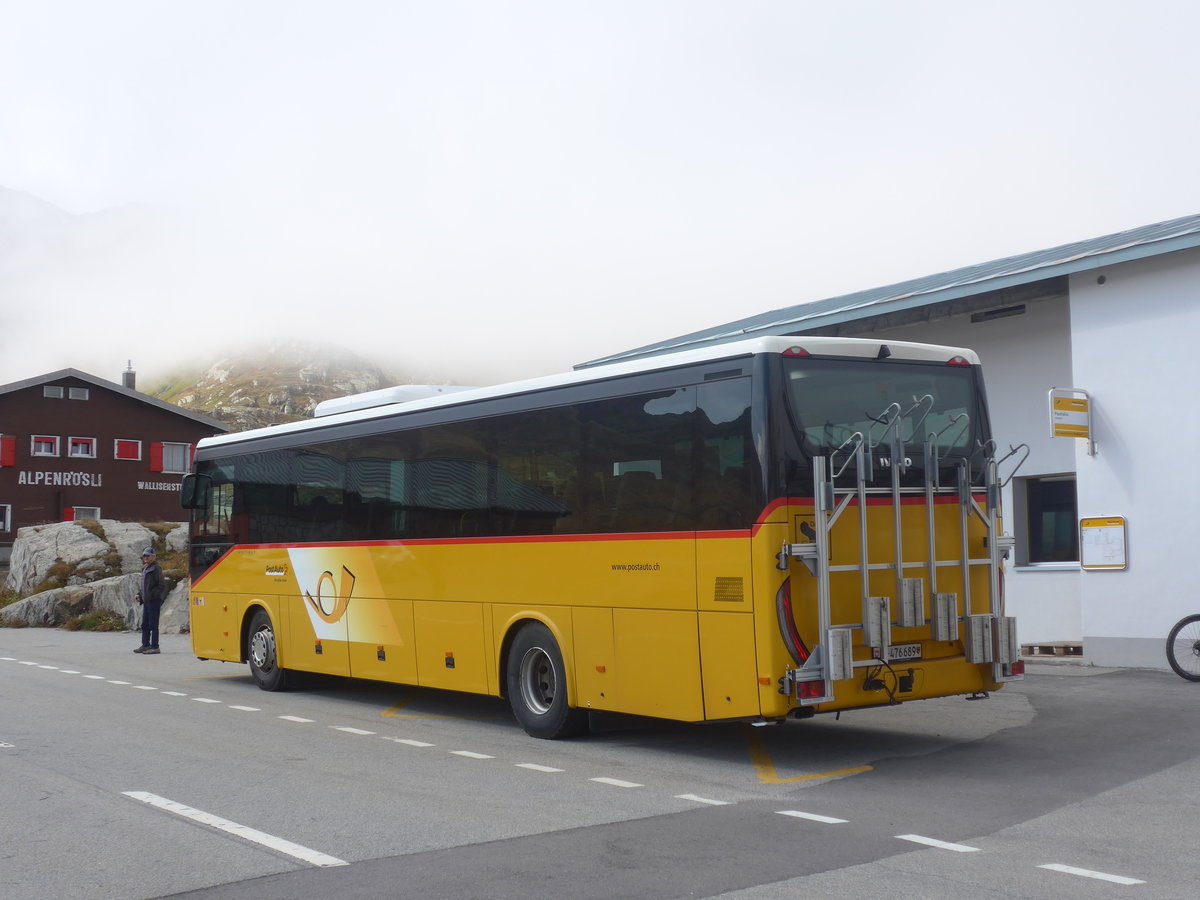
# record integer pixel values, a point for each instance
(401, 393)
(837, 346)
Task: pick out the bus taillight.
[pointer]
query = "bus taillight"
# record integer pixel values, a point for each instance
(787, 623)
(810, 690)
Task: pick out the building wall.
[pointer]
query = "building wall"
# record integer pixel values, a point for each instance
(1134, 344)
(1023, 357)
(42, 489)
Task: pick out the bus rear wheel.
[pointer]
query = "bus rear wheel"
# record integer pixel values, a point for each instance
(263, 654)
(537, 686)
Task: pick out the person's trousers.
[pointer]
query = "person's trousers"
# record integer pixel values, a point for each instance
(150, 614)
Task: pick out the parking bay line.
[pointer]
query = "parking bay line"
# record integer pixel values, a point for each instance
(1089, 873)
(306, 854)
(812, 817)
(934, 842)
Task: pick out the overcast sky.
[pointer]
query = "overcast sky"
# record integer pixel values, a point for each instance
(481, 191)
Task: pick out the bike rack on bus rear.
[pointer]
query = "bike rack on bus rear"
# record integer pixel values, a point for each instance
(989, 638)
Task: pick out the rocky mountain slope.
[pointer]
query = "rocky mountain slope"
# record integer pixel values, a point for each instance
(281, 382)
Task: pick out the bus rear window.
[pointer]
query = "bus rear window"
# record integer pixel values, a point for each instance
(832, 404)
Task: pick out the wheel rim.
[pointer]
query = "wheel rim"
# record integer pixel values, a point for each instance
(537, 680)
(262, 649)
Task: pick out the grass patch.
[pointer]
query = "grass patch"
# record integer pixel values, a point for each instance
(56, 576)
(96, 620)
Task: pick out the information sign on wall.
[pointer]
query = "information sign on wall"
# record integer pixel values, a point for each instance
(1071, 415)
(1103, 543)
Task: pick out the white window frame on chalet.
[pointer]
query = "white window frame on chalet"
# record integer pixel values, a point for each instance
(35, 439)
(86, 444)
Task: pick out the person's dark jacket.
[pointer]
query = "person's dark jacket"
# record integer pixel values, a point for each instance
(154, 586)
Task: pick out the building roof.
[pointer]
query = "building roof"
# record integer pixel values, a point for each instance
(116, 389)
(997, 275)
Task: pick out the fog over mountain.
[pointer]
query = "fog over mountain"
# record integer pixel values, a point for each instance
(273, 384)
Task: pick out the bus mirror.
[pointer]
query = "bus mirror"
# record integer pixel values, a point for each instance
(194, 492)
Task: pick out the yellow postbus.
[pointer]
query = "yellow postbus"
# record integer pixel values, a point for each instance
(759, 530)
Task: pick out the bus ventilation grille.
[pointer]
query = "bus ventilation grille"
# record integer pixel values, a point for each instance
(729, 590)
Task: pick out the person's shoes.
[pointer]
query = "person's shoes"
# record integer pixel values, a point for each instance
(141, 649)
(150, 650)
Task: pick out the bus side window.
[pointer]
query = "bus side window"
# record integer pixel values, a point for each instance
(727, 472)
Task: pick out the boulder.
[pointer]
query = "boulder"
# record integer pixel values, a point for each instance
(38, 547)
(129, 539)
(118, 595)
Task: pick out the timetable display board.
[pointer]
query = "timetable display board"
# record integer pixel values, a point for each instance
(1103, 543)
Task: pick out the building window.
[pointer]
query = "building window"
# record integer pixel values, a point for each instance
(127, 449)
(77, 393)
(81, 448)
(44, 445)
(86, 512)
(176, 458)
(1048, 510)
(5, 517)
(53, 391)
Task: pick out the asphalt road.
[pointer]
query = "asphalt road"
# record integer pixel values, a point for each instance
(138, 777)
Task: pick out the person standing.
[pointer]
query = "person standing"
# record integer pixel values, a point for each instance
(150, 595)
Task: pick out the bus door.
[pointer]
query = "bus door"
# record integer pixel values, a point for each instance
(318, 633)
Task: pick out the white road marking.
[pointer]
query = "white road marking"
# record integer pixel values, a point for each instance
(1088, 873)
(812, 817)
(95, 677)
(47, 667)
(934, 842)
(536, 768)
(617, 782)
(246, 708)
(410, 742)
(349, 730)
(112, 681)
(4, 746)
(69, 671)
(144, 687)
(175, 693)
(696, 799)
(26, 662)
(306, 854)
(205, 700)
(299, 719)
(470, 754)
(8, 658)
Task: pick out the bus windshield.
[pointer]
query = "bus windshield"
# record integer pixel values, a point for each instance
(834, 404)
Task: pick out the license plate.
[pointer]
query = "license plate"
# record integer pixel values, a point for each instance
(902, 652)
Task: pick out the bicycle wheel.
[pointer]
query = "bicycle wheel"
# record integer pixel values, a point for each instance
(1183, 648)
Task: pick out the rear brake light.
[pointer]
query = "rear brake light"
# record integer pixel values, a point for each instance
(796, 351)
(1017, 668)
(810, 690)
(958, 361)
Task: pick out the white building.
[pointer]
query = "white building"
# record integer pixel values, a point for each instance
(1114, 316)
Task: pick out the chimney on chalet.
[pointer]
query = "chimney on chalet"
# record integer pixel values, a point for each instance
(129, 377)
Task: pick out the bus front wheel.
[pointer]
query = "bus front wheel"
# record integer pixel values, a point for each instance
(537, 686)
(263, 654)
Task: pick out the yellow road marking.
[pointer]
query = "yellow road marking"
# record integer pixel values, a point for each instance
(393, 712)
(768, 774)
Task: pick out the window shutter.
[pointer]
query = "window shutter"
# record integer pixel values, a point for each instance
(156, 457)
(8, 450)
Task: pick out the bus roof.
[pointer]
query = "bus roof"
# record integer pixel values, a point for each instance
(389, 401)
